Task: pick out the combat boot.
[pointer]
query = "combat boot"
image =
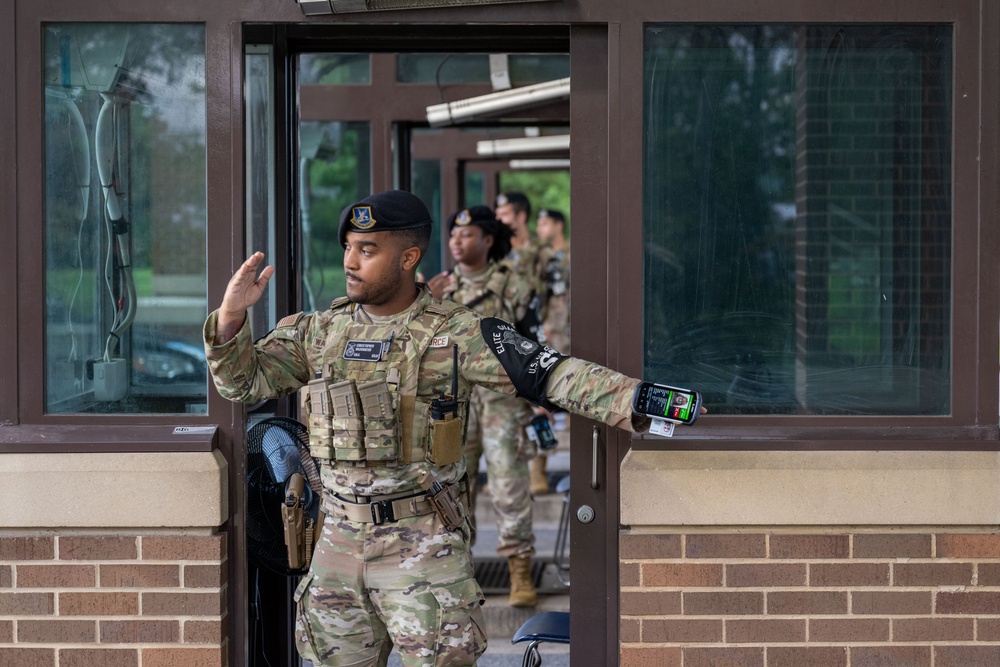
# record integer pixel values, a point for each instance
(522, 588)
(539, 478)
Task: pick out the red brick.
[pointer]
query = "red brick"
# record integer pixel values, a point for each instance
(966, 656)
(891, 656)
(809, 546)
(98, 548)
(182, 657)
(28, 657)
(932, 574)
(98, 604)
(726, 546)
(681, 631)
(6, 576)
(645, 547)
(724, 657)
(651, 656)
(933, 629)
(657, 603)
(681, 574)
(813, 656)
(848, 574)
(26, 604)
(98, 657)
(56, 632)
(184, 547)
(807, 602)
(987, 574)
(181, 604)
(970, 602)
(765, 630)
(988, 629)
(140, 632)
(890, 602)
(848, 630)
(213, 576)
(728, 603)
(140, 576)
(26, 548)
(968, 546)
(628, 575)
(6, 632)
(215, 632)
(56, 576)
(765, 575)
(892, 545)
(629, 631)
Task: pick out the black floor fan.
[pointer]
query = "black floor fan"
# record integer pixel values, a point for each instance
(277, 449)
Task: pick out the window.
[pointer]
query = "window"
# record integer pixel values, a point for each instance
(125, 218)
(452, 68)
(334, 172)
(797, 216)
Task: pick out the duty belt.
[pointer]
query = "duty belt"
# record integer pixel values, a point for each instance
(377, 509)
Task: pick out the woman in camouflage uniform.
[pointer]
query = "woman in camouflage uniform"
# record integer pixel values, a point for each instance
(485, 283)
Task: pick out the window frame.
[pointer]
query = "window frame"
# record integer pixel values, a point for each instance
(24, 424)
(972, 423)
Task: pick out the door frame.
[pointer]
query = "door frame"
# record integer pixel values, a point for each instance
(595, 124)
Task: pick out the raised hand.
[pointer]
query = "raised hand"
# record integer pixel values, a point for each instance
(244, 290)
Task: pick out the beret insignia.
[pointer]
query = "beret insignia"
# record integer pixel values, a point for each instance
(362, 217)
(463, 218)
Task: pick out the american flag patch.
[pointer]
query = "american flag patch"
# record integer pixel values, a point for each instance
(288, 321)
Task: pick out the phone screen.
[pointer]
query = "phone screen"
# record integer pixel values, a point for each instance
(669, 403)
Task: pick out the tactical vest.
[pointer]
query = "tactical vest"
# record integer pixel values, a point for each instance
(363, 406)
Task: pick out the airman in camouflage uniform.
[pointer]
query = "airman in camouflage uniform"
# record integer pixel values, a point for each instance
(482, 281)
(530, 258)
(551, 227)
(388, 568)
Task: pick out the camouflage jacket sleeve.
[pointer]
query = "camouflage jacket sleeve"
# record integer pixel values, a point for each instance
(276, 366)
(579, 386)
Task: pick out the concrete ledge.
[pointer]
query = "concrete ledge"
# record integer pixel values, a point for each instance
(154, 490)
(810, 488)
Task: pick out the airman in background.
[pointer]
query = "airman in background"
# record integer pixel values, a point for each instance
(482, 281)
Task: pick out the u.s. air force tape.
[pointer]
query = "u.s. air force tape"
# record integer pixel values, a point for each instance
(528, 364)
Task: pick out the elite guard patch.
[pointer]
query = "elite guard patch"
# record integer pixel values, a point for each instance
(527, 363)
(439, 341)
(362, 217)
(364, 350)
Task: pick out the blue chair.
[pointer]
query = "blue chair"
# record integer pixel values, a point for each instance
(546, 626)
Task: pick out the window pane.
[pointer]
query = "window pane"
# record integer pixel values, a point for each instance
(797, 216)
(335, 69)
(334, 172)
(125, 263)
(426, 184)
(450, 68)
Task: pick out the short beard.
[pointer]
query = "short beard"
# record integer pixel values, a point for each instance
(379, 292)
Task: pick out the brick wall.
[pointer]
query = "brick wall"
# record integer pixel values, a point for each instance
(155, 600)
(817, 599)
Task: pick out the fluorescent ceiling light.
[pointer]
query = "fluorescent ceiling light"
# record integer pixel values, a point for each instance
(539, 163)
(553, 143)
(315, 7)
(473, 108)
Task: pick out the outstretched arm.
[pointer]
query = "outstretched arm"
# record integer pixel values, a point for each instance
(244, 290)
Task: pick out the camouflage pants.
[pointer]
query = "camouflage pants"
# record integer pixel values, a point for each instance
(407, 583)
(495, 430)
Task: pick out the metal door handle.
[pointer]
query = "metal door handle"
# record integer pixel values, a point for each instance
(593, 461)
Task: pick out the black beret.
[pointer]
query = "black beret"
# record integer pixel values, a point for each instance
(515, 199)
(389, 211)
(480, 216)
